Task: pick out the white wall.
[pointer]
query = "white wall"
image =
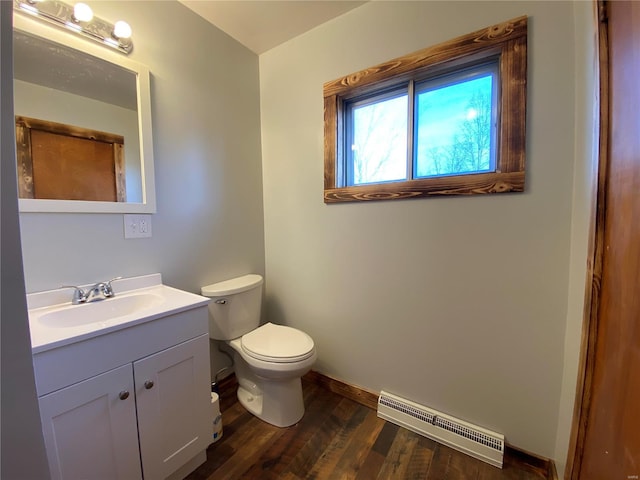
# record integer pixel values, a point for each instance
(206, 135)
(23, 454)
(456, 303)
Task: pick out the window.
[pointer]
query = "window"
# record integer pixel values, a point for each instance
(447, 120)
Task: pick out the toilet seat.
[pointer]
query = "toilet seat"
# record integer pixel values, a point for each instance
(277, 343)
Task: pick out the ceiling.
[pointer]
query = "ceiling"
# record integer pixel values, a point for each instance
(262, 25)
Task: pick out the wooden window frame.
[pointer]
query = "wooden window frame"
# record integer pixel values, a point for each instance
(508, 42)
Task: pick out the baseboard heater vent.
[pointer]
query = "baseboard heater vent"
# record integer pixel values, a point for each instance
(475, 441)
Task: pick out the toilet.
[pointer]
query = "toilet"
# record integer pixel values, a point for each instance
(269, 359)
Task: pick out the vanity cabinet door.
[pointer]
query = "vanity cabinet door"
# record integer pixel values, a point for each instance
(90, 428)
(173, 393)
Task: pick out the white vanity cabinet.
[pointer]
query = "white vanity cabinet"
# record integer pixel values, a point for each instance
(90, 428)
(174, 413)
(131, 403)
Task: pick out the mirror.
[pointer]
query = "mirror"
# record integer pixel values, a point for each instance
(67, 81)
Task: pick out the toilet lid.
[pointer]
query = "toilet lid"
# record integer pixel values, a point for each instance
(277, 343)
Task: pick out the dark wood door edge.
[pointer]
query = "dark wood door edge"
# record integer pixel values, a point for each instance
(595, 257)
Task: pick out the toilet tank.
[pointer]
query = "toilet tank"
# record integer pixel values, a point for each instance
(235, 306)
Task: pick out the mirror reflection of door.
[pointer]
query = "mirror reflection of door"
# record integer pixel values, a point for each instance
(63, 83)
(65, 162)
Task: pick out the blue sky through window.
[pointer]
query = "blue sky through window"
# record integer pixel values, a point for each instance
(453, 133)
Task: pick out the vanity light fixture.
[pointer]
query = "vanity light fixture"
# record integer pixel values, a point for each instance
(79, 19)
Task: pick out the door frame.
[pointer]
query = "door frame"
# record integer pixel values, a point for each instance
(595, 259)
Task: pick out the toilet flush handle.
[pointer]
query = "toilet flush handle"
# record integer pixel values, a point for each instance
(221, 301)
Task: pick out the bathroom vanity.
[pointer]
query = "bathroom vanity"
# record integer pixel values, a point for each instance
(124, 383)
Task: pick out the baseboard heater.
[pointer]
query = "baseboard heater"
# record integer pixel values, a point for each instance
(475, 441)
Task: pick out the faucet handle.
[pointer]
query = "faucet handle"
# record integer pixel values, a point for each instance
(108, 289)
(79, 295)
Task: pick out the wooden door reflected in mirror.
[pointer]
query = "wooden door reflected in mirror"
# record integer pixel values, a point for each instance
(65, 162)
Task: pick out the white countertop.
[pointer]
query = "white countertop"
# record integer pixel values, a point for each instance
(152, 300)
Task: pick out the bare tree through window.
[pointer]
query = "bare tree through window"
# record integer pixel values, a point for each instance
(379, 146)
(463, 143)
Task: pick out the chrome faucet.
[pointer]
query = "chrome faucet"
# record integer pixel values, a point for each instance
(99, 291)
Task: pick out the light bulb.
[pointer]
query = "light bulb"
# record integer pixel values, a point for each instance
(82, 12)
(121, 29)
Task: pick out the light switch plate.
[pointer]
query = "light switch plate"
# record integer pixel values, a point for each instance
(137, 226)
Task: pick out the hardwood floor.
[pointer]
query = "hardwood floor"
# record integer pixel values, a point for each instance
(339, 438)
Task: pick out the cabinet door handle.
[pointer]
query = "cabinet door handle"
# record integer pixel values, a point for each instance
(124, 395)
(148, 384)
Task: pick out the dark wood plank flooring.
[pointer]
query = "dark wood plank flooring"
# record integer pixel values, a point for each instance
(339, 439)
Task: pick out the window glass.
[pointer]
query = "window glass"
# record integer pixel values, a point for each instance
(455, 125)
(378, 140)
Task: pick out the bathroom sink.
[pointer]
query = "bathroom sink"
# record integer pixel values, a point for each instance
(54, 321)
(101, 311)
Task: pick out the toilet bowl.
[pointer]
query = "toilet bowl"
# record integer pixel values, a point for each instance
(269, 360)
(268, 367)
